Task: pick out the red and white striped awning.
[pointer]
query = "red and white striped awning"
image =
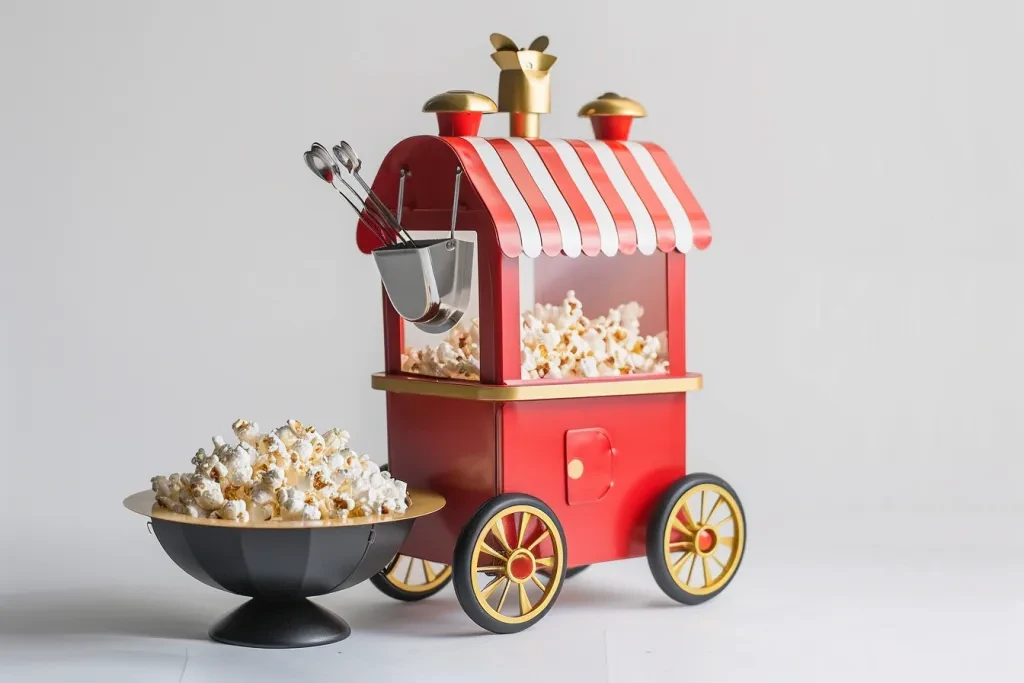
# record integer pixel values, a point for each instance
(583, 196)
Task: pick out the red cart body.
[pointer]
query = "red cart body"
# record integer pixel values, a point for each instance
(631, 448)
(557, 439)
(598, 451)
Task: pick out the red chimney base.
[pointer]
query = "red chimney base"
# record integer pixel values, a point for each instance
(458, 123)
(611, 127)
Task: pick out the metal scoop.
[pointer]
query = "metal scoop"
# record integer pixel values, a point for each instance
(429, 283)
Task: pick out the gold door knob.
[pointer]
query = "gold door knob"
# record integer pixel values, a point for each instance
(575, 468)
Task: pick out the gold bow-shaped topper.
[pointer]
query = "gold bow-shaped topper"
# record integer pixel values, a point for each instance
(508, 55)
(523, 85)
(503, 43)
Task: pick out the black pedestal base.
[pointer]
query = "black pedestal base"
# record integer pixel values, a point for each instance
(280, 624)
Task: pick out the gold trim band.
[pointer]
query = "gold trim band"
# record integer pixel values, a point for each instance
(474, 391)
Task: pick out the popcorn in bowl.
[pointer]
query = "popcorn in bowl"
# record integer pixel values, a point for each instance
(291, 473)
(555, 342)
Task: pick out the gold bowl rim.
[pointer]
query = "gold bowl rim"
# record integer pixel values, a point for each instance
(423, 503)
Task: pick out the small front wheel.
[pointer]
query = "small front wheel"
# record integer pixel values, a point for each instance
(509, 563)
(695, 538)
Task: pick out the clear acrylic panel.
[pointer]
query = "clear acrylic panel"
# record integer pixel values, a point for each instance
(454, 354)
(594, 316)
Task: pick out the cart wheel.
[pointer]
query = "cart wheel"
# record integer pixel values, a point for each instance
(569, 573)
(698, 522)
(509, 563)
(411, 579)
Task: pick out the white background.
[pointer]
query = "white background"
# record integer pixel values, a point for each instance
(168, 264)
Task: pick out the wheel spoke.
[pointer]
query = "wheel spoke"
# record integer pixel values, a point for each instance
(689, 576)
(728, 518)
(537, 541)
(707, 520)
(538, 582)
(523, 523)
(486, 591)
(681, 528)
(408, 572)
(499, 530)
(680, 545)
(726, 541)
(504, 594)
(524, 601)
(707, 571)
(491, 551)
(702, 506)
(679, 564)
(545, 561)
(718, 562)
(429, 572)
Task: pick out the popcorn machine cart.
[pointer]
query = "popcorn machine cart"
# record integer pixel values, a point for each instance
(545, 470)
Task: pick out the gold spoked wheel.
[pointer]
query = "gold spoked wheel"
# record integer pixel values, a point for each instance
(696, 538)
(510, 563)
(411, 578)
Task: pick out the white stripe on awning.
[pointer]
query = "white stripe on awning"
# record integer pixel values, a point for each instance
(572, 242)
(528, 230)
(579, 175)
(668, 198)
(646, 236)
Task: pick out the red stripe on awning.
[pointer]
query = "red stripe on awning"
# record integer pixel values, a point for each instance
(698, 221)
(623, 221)
(663, 228)
(476, 173)
(550, 235)
(589, 233)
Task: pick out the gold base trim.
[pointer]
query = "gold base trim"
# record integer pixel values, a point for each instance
(474, 391)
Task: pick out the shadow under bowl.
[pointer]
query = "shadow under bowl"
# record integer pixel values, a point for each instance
(281, 564)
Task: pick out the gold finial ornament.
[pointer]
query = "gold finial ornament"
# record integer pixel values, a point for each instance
(524, 85)
(611, 115)
(613, 104)
(460, 100)
(459, 111)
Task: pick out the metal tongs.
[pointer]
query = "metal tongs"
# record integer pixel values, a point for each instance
(374, 213)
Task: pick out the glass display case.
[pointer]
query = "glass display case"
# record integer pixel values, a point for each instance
(580, 318)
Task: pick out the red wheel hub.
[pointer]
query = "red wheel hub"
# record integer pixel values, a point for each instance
(705, 540)
(520, 568)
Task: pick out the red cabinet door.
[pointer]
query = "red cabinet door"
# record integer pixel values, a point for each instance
(589, 465)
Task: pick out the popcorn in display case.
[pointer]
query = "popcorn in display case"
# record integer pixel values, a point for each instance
(561, 337)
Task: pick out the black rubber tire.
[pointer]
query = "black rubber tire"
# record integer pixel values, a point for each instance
(656, 530)
(569, 573)
(462, 569)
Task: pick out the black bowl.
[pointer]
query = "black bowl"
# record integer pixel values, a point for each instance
(281, 564)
